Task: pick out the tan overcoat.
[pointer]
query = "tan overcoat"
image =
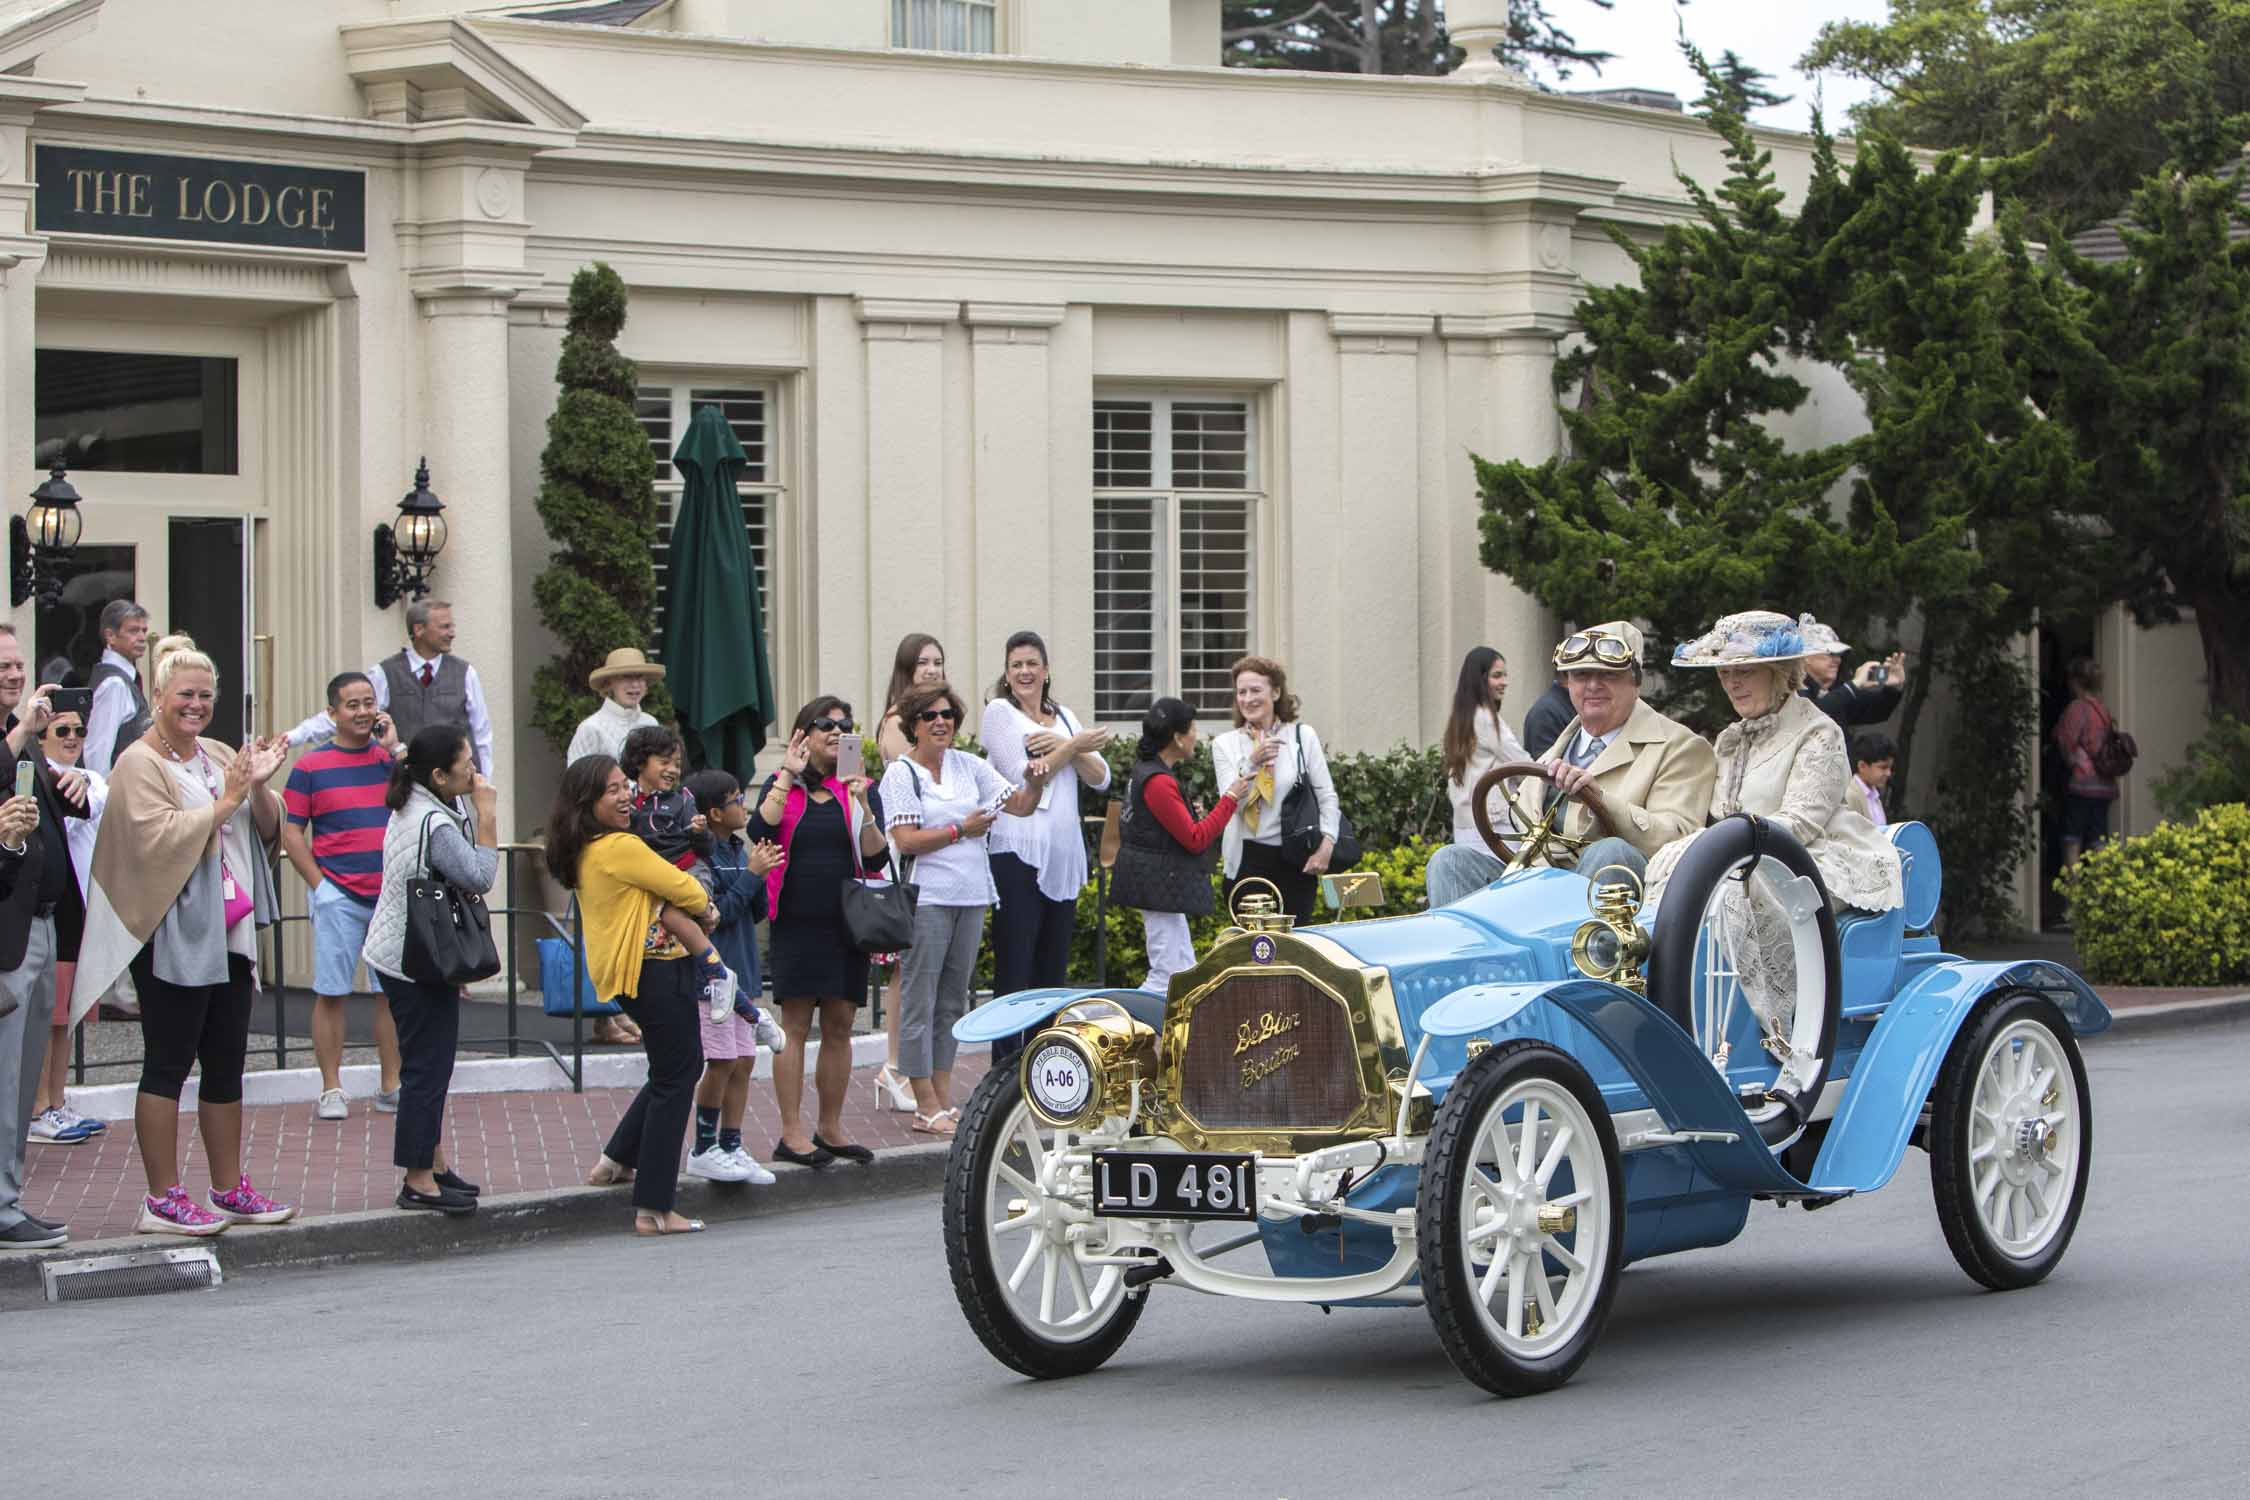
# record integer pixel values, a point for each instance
(1656, 776)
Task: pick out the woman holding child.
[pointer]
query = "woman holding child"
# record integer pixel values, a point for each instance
(637, 909)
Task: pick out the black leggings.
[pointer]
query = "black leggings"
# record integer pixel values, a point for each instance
(186, 1025)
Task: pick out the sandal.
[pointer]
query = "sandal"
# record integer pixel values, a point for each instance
(892, 1091)
(609, 1173)
(609, 1032)
(645, 1223)
(940, 1123)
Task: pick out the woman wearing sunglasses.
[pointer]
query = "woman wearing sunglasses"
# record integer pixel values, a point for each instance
(941, 803)
(827, 832)
(53, 1121)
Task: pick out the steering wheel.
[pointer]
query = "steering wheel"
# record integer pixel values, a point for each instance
(1539, 831)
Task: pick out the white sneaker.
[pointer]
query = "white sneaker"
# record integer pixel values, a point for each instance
(50, 1128)
(331, 1106)
(720, 992)
(715, 1165)
(768, 1033)
(753, 1171)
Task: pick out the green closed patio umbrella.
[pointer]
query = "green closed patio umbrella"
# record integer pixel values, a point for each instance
(715, 630)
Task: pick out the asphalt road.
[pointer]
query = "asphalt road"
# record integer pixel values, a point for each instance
(820, 1353)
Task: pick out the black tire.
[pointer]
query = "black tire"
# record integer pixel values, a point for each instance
(1449, 1278)
(1671, 962)
(2000, 1019)
(977, 1282)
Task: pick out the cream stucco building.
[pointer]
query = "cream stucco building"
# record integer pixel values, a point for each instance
(1066, 327)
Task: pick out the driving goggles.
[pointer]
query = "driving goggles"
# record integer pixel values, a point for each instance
(1607, 650)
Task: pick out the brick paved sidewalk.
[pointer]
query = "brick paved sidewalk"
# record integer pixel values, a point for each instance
(505, 1142)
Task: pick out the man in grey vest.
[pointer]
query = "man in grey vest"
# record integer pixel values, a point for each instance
(120, 712)
(423, 685)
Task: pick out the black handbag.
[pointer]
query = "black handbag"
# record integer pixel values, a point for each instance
(1300, 823)
(448, 930)
(1152, 871)
(878, 913)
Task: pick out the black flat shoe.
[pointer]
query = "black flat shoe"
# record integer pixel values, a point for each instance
(816, 1158)
(452, 1204)
(454, 1182)
(859, 1154)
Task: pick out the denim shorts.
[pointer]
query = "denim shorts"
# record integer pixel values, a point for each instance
(339, 924)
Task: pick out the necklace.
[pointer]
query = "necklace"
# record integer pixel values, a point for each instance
(165, 740)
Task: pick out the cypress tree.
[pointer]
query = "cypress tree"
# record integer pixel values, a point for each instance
(597, 499)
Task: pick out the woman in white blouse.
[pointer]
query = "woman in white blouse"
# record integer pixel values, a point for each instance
(1038, 862)
(1476, 740)
(1275, 751)
(938, 803)
(1784, 760)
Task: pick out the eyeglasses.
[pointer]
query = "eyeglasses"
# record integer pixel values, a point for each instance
(1606, 649)
(833, 726)
(67, 731)
(933, 715)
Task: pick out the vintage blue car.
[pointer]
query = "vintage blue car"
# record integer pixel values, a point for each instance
(1491, 1109)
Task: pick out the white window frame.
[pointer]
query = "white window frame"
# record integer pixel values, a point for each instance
(682, 388)
(902, 26)
(1165, 497)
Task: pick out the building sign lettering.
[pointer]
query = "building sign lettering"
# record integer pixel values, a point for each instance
(146, 196)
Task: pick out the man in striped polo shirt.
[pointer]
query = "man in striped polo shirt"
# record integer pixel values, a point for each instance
(334, 837)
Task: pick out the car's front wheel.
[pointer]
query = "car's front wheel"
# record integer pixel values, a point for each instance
(1010, 1203)
(1521, 1219)
(2011, 1140)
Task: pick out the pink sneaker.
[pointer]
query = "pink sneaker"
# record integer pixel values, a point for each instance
(176, 1213)
(244, 1204)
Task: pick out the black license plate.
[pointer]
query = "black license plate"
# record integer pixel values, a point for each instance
(1175, 1185)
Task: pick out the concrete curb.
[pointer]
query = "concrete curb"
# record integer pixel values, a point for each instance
(2146, 1020)
(501, 1222)
(471, 1075)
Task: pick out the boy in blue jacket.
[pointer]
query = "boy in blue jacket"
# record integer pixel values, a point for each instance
(737, 880)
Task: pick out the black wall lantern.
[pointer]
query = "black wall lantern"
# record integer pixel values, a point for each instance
(404, 554)
(41, 539)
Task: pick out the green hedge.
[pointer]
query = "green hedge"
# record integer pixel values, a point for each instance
(2171, 907)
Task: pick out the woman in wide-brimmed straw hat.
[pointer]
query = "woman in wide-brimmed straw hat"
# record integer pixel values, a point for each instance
(622, 679)
(1784, 760)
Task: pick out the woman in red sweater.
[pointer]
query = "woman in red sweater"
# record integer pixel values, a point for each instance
(1162, 863)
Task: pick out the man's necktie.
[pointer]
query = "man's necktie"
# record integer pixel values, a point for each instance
(429, 674)
(1589, 750)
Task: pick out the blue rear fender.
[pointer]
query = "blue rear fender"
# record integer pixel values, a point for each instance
(1883, 1099)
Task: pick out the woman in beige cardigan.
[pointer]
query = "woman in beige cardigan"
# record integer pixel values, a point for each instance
(181, 884)
(1783, 760)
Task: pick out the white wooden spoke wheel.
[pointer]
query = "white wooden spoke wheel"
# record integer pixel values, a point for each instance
(2010, 1140)
(1520, 1219)
(1011, 1204)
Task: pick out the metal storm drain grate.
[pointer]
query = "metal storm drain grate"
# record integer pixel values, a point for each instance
(185, 1268)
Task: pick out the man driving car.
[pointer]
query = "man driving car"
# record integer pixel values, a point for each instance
(1649, 777)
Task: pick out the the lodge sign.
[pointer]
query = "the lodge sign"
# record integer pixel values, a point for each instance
(146, 196)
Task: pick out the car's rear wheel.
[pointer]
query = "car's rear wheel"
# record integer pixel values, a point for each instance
(1742, 886)
(2011, 1140)
(1521, 1219)
(1009, 1205)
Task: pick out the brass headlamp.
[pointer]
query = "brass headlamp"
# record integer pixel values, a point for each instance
(1613, 946)
(1081, 1067)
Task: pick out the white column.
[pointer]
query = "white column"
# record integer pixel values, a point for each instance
(22, 253)
(464, 435)
(1379, 471)
(906, 453)
(1529, 430)
(1013, 517)
(1069, 504)
(836, 589)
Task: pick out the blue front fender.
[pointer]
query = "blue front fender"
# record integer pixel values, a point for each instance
(1883, 1100)
(1027, 1008)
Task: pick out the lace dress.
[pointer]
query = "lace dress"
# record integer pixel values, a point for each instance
(1790, 766)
